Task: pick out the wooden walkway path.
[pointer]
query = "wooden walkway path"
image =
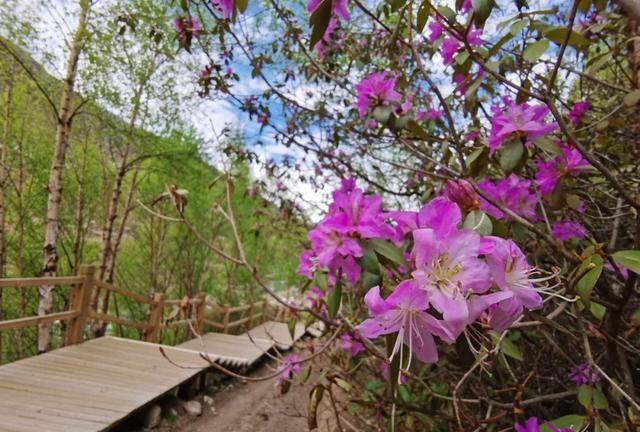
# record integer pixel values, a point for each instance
(94, 385)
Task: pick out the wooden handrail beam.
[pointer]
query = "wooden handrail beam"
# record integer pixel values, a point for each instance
(32, 282)
(35, 320)
(116, 320)
(137, 297)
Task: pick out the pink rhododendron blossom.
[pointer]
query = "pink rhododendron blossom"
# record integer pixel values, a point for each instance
(511, 272)
(623, 270)
(448, 268)
(578, 110)
(513, 193)
(434, 114)
(466, 6)
(339, 11)
(473, 37)
(376, 89)
(569, 163)
(351, 344)
(448, 49)
(290, 365)
(338, 8)
(532, 425)
(403, 312)
(564, 230)
(334, 242)
(435, 31)
(462, 193)
(313, 298)
(523, 122)
(225, 6)
(584, 374)
(186, 28)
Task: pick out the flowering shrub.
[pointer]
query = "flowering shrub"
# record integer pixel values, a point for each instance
(493, 244)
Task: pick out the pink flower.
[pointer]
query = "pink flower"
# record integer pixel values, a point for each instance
(403, 312)
(448, 268)
(436, 30)
(466, 6)
(351, 344)
(564, 230)
(290, 365)
(334, 242)
(375, 89)
(338, 8)
(339, 11)
(225, 6)
(473, 37)
(583, 374)
(434, 114)
(576, 113)
(448, 49)
(513, 193)
(569, 163)
(186, 28)
(314, 297)
(524, 122)
(511, 273)
(532, 425)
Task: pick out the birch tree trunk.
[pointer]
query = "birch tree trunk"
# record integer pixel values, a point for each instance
(63, 128)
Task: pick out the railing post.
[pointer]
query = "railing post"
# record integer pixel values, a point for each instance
(80, 301)
(155, 318)
(225, 319)
(263, 318)
(250, 315)
(200, 309)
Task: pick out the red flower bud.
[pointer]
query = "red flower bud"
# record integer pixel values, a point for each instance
(462, 193)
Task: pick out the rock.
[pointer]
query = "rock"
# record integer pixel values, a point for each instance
(193, 408)
(213, 411)
(172, 414)
(153, 415)
(207, 399)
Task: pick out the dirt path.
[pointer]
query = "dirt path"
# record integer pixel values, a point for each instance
(255, 407)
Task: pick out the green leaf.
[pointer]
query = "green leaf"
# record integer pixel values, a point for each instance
(241, 5)
(291, 325)
(382, 113)
(631, 99)
(479, 222)
(315, 396)
(369, 280)
(343, 384)
(511, 155)
(588, 281)
(597, 310)
(509, 348)
(404, 393)
(482, 9)
(599, 399)
(585, 395)
(559, 34)
(629, 259)
(417, 130)
(388, 250)
(319, 21)
(517, 26)
(305, 374)
(423, 15)
(369, 260)
(334, 300)
(573, 421)
(535, 50)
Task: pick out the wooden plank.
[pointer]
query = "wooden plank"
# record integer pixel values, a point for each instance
(278, 332)
(28, 282)
(35, 320)
(234, 349)
(89, 386)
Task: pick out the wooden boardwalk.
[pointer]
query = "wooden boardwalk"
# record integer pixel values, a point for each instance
(90, 386)
(94, 385)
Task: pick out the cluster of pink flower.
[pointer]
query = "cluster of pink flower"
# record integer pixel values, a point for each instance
(456, 275)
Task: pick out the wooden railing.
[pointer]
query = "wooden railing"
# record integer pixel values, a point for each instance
(80, 311)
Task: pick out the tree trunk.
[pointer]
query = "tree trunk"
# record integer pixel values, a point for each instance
(4, 174)
(63, 129)
(78, 239)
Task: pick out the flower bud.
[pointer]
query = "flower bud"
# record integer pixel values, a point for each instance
(462, 193)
